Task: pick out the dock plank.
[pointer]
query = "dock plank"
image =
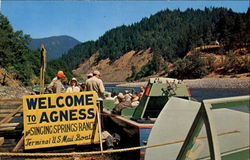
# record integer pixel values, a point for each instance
(11, 115)
(6, 111)
(8, 129)
(1, 140)
(9, 125)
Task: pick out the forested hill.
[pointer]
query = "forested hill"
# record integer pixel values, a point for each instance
(169, 34)
(55, 45)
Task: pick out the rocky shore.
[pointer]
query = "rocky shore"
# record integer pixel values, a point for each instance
(205, 83)
(7, 92)
(219, 83)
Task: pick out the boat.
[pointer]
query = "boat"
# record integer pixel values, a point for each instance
(185, 128)
(216, 129)
(135, 124)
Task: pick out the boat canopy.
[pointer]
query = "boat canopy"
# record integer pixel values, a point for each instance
(157, 93)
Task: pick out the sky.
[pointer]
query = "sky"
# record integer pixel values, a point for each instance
(88, 20)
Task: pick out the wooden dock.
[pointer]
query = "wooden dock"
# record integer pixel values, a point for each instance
(11, 124)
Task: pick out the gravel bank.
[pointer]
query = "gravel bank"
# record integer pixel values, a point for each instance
(13, 92)
(205, 83)
(219, 83)
(133, 84)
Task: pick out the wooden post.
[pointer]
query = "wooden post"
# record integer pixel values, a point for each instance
(19, 145)
(99, 124)
(43, 68)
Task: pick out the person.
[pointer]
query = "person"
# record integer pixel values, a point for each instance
(121, 105)
(135, 101)
(95, 84)
(127, 95)
(90, 75)
(56, 85)
(116, 101)
(83, 84)
(73, 86)
(109, 97)
(142, 90)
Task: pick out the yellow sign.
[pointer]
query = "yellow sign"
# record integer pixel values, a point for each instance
(60, 119)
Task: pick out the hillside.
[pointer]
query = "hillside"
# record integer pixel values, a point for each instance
(119, 70)
(235, 63)
(170, 35)
(231, 65)
(56, 45)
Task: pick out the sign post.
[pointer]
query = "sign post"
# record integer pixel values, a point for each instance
(52, 120)
(43, 68)
(99, 126)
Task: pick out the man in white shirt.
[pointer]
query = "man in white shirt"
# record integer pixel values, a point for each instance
(95, 84)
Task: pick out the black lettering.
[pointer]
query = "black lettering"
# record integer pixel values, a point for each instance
(69, 101)
(55, 128)
(72, 115)
(64, 115)
(31, 103)
(89, 99)
(49, 103)
(44, 118)
(79, 100)
(52, 117)
(80, 126)
(57, 101)
(82, 114)
(41, 103)
(58, 139)
(91, 113)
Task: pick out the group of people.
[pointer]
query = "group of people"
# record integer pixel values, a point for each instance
(127, 100)
(93, 83)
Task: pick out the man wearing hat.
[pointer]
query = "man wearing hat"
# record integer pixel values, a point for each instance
(90, 75)
(56, 85)
(73, 86)
(121, 105)
(96, 84)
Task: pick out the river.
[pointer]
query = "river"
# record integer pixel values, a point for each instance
(210, 93)
(203, 93)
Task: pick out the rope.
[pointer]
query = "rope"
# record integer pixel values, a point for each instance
(84, 153)
(98, 152)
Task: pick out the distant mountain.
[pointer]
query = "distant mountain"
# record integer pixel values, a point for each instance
(55, 45)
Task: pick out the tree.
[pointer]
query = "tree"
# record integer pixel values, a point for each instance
(190, 67)
(15, 55)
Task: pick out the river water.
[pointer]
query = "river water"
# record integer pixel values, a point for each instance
(204, 93)
(210, 93)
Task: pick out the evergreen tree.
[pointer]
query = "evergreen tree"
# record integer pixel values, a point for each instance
(15, 55)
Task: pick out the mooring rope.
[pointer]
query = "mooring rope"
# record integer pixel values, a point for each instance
(99, 152)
